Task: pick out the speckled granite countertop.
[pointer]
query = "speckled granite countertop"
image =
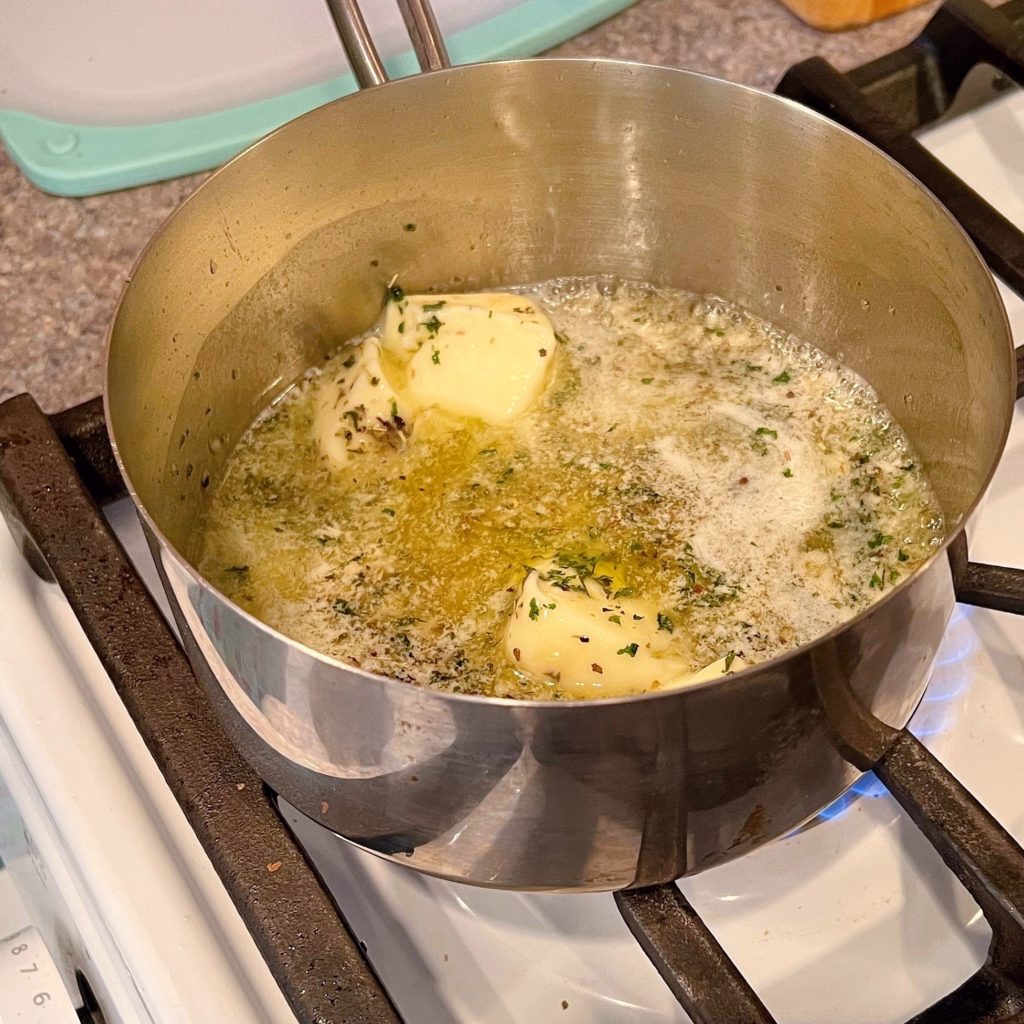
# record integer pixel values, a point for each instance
(62, 261)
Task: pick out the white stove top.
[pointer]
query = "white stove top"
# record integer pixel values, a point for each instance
(854, 919)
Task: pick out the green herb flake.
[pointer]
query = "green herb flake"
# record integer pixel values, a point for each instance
(435, 357)
(617, 619)
(389, 512)
(665, 622)
(629, 649)
(766, 432)
(433, 325)
(782, 378)
(787, 472)
(430, 307)
(875, 582)
(903, 556)
(488, 451)
(238, 570)
(729, 659)
(394, 409)
(342, 607)
(878, 540)
(350, 362)
(534, 609)
(646, 380)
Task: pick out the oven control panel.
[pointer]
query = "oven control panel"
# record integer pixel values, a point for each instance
(31, 987)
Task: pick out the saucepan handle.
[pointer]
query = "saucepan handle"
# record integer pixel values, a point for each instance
(367, 66)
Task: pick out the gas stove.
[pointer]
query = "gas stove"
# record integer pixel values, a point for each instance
(149, 875)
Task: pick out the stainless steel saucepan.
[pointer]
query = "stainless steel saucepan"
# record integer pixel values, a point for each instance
(514, 172)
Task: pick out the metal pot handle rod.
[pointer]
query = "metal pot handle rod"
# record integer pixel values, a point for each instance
(367, 66)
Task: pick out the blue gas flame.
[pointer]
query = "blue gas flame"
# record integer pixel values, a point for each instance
(950, 678)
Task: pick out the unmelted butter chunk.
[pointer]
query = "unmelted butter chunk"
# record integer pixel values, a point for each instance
(590, 643)
(483, 356)
(357, 407)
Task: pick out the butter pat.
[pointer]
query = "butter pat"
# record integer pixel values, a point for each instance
(358, 408)
(484, 356)
(589, 642)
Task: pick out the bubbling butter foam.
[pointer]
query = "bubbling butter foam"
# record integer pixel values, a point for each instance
(612, 475)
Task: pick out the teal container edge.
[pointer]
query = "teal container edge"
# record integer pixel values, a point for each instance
(83, 160)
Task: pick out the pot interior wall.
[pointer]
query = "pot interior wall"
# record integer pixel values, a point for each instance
(508, 173)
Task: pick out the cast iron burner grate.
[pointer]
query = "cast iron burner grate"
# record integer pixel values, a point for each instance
(56, 471)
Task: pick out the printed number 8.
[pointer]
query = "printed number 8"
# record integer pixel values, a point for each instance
(19, 949)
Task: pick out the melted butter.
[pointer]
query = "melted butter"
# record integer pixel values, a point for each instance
(736, 488)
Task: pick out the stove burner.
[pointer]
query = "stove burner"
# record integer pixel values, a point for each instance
(933, 714)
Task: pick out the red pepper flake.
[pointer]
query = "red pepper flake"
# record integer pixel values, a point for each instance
(698, 589)
(744, 480)
(597, 668)
(274, 866)
(516, 653)
(787, 456)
